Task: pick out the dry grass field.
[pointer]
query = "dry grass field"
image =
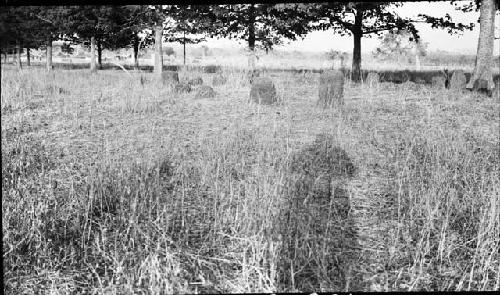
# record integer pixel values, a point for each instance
(113, 186)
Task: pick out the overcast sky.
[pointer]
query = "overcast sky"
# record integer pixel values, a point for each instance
(438, 39)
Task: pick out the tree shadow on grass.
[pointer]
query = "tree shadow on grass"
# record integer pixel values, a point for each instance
(319, 238)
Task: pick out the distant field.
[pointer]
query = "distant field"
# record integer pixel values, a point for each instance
(275, 59)
(389, 72)
(113, 185)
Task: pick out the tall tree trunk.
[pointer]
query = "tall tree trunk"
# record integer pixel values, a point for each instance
(99, 53)
(93, 68)
(251, 27)
(28, 57)
(136, 52)
(18, 54)
(48, 53)
(482, 70)
(184, 47)
(158, 51)
(357, 32)
(251, 37)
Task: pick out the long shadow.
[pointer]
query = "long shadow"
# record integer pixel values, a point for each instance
(319, 237)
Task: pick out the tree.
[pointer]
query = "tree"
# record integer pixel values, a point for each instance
(101, 25)
(166, 15)
(264, 24)
(19, 29)
(482, 69)
(30, 27)
(400, 44)
(362, 19)
(156, 17)
(368, 18)
(188, 26)
(158, 29)
(135, 31)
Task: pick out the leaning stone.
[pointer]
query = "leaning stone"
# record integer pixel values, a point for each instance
(219, 80)
(372, 80)
(263, 91)
(458, 80)
(331, 89)
(169, 77)
(205, 92)
(195, 81)
(182, 88)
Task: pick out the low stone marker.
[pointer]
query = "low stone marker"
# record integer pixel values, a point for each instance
(195, 81)
(219, 80)
(372, 80)
(182, 88)
(439, 81)
(331, 89)
(263, 91)
(211, 69)
(169, 77)
(458, 80)
(419, 80)
(205, 91)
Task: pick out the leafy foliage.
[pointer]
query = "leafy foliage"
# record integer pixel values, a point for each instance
(399, 44)
(264, 24)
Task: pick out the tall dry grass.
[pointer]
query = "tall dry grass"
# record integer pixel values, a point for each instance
(110, 185)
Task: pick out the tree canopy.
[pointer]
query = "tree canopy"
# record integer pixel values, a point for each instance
(259, 25)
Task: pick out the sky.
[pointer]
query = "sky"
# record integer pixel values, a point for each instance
(438, 39)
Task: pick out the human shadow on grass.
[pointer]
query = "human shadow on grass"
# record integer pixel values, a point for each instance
(318, 234)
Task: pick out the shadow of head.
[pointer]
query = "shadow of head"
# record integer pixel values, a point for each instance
(322, 157)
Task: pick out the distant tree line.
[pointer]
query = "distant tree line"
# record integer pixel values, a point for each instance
(259, 25)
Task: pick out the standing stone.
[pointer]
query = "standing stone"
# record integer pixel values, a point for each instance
(219, 80)
(496, 90)
(169, 77)
(331, 89)
(263, 91)
(438, 81)
(372, 80)
(205, 91)
(458, 80)
(481, 86)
